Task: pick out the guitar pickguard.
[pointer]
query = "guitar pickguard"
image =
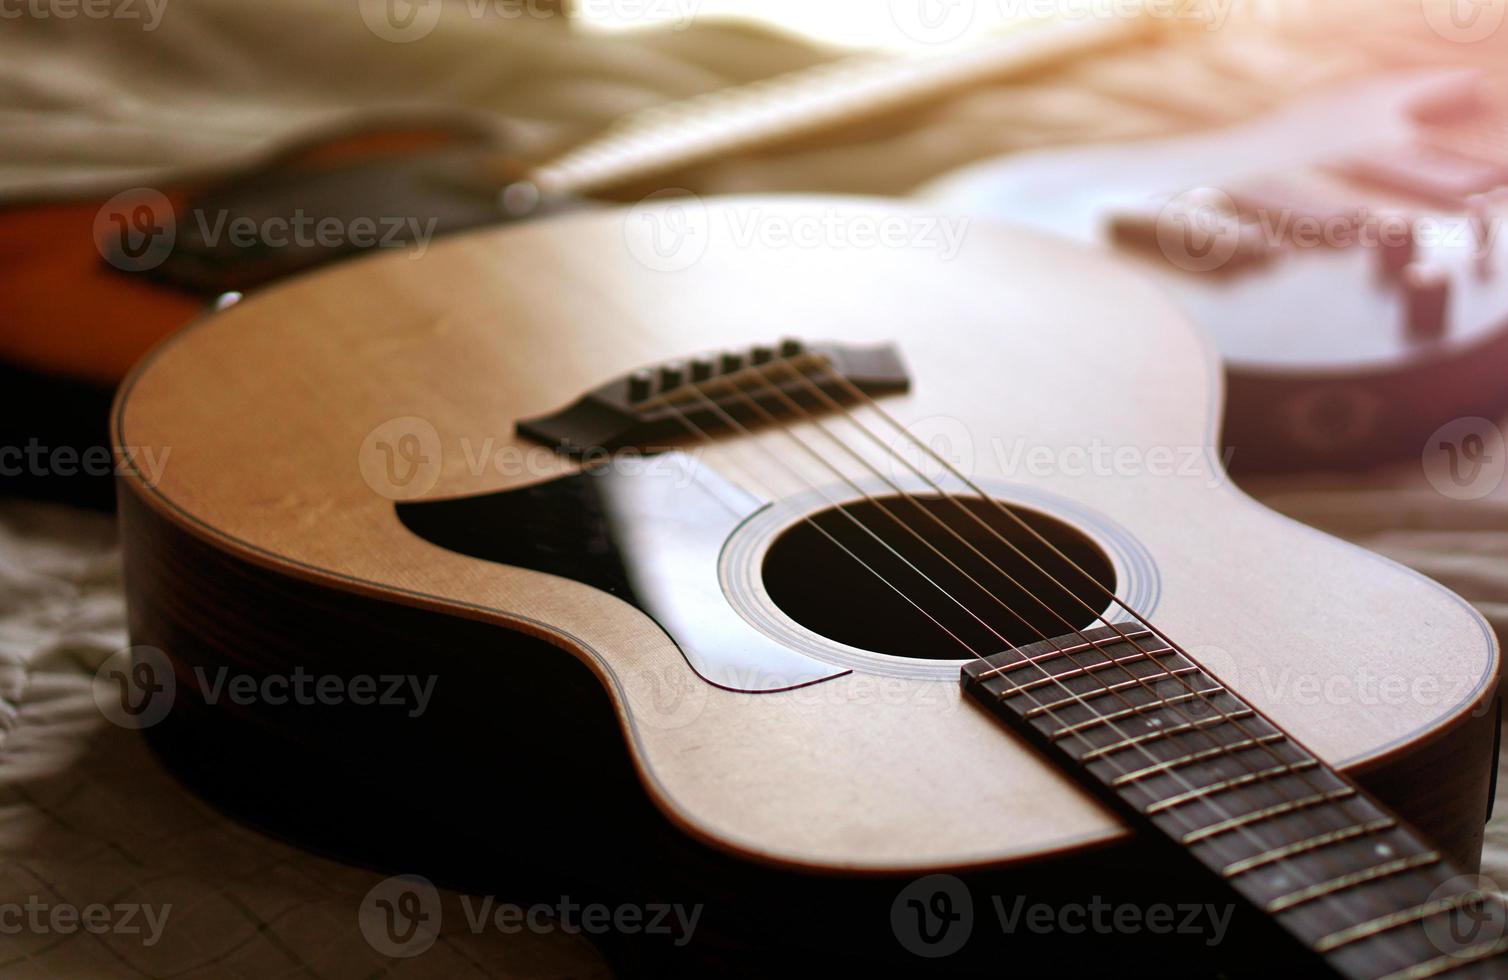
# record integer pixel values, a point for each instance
(648, 531)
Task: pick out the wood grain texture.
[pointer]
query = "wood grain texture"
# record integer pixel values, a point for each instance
(265, 409)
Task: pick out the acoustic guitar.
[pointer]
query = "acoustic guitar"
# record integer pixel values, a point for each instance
(852, 578)
(1345, 252)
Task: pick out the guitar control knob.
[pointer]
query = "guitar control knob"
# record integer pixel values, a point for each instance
(732, 362)
(702, 368)
(1397, 246)
(791, 347)
(1427, 293)
(640, 385)
(672, 376)
(762, 355)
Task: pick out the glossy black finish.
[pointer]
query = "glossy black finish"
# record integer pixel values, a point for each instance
(649, 531)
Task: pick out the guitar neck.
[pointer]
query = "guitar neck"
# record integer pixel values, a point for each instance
(1183, 757)
(730, 121)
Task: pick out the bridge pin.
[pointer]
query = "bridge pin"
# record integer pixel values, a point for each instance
(672, 376)
(640, 385)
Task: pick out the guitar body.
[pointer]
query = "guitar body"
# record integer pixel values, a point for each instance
(1328, 365)
(328, 475)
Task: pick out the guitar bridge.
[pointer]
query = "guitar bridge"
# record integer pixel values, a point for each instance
(668, 401)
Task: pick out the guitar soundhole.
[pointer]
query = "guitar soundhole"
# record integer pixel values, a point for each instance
(994, 598)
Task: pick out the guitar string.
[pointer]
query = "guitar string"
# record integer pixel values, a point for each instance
(1180, 680)
(1324, 859)
(953, 532)
(1181, 816)
(1342, 808)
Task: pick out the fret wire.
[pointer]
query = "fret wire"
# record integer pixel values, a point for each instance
(1115, 688)
(1395, 920)
(1182, 729)
(1004, 669)
(1235, 782)
(1203, 756)
(1078, 672)
(1276, 810)
(1310, 844)
(1451, 962)
(1135, 709)
(1375, 873)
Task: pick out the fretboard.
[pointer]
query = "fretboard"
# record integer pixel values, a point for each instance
(1180, 755)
